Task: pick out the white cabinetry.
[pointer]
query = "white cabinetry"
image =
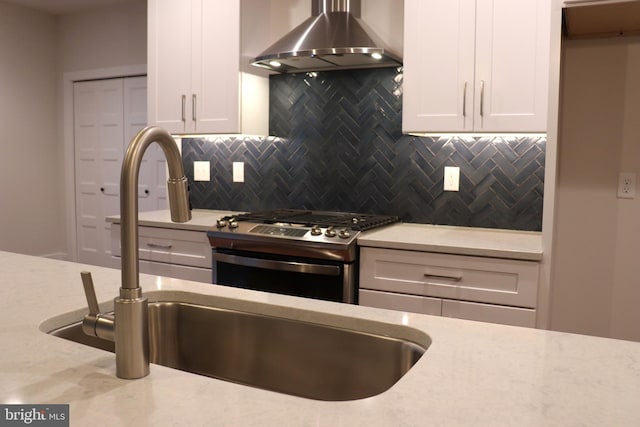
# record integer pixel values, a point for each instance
(474, 288)
(182, 254)
(197, 82)
(476, 65)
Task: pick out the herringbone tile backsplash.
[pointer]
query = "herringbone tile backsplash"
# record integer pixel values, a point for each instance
(339, 146)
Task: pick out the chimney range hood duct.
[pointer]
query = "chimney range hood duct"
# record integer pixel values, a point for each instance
(333, 38)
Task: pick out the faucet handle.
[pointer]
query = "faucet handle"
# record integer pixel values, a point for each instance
(95, 323)
(90, 293)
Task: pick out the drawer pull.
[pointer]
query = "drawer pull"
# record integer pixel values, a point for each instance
(157, 246)
(441, 276)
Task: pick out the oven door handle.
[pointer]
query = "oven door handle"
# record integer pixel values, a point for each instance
(291, 266)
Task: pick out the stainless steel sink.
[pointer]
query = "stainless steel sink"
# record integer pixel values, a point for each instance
(288, 356)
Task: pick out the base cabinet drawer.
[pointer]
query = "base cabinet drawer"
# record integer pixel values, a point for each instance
(181, 254)
(466, 287)
(468, 278)
(514, 316)
(170, 246)
(401, 302)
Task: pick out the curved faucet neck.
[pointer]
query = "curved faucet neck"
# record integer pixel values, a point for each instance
(177, 186)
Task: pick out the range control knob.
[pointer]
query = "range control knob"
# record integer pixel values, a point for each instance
(344, 233)
(316, 230)
(221, 223)
(233, 224)
(330, 232)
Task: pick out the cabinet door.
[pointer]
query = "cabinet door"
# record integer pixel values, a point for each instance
(216, 67)
(182, 272)
(169, 63)
(401, 302)
(98, 138)
(512, 65)
(438, 65)
(514, 316)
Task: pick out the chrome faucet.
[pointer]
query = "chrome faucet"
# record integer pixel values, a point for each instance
(129, 325)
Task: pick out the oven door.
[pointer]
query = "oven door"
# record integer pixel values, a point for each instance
(304, 277)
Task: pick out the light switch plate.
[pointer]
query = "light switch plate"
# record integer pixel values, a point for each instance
(201, 171)
(238, 171)
(451, 178)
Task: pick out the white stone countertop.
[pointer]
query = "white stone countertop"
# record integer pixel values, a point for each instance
(473, 373)
(524, 245)
(201, 219)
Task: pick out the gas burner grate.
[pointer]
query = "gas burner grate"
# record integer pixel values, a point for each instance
(354, 221)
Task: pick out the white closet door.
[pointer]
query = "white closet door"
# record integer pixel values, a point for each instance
(98, 135)
(152, 181)
(107, 115)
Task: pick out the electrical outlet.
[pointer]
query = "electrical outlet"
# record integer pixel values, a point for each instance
(201, 171)
(627, 185)
(451, 178)
(238, 171)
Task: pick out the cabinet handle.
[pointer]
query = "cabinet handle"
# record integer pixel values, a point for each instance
(464, 100)
(184, 106)
(157, 246)
(443, 276)
(193, 107)
(481, 98)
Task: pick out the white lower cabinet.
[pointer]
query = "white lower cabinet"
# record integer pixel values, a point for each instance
(467, 287)
(515, 316)
(401, 302)
(181, 254)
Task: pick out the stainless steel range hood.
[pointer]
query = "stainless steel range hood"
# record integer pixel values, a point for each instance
(334, 37)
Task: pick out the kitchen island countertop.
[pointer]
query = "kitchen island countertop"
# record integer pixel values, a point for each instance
(472, 374)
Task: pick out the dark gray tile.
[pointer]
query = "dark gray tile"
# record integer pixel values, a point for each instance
(339, 146)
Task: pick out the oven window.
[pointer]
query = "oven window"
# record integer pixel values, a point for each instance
(270, 273)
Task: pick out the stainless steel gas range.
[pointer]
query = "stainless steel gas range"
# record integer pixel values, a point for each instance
(295, 252)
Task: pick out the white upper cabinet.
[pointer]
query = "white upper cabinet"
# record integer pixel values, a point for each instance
(438, 65)
(476, 65)
(196, 71)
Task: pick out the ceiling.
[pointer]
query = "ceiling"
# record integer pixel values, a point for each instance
(63, 7)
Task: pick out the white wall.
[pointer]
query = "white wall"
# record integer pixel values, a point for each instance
(37, 48)
(31, 209)
(105, 42)
(596, 280)
(105, 37)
